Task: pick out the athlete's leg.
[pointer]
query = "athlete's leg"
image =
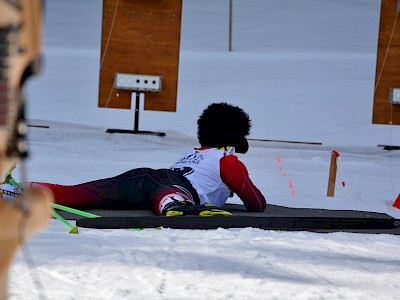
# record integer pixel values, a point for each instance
(124, 191)
(165, 186)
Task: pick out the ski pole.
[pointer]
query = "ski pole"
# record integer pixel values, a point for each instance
(75, 211)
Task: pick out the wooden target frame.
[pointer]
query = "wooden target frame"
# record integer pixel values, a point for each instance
(388, 64)
(140, 37)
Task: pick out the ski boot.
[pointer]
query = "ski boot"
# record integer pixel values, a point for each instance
(10, 188)
(185, 208)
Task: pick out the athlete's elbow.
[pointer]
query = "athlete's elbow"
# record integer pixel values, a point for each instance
(261, 207)
(264, 205)
(258, 206)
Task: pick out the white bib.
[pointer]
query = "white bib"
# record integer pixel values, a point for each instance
(202, 168)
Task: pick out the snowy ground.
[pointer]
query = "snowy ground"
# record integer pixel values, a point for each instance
(304, 71)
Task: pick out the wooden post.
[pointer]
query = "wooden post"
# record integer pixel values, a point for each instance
(230, 25)
(332, 175)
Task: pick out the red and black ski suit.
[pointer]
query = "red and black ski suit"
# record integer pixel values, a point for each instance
(204, 175)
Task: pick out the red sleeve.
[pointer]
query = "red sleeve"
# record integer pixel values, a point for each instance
(234, 174)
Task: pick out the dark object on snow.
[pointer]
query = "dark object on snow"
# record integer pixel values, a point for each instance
(273, 218)
(389, 147)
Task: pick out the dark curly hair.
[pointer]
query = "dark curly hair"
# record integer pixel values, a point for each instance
(221, 125)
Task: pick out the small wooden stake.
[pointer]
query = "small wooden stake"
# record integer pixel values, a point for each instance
(332, 175)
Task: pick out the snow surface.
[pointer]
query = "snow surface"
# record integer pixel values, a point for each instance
(304, 71)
